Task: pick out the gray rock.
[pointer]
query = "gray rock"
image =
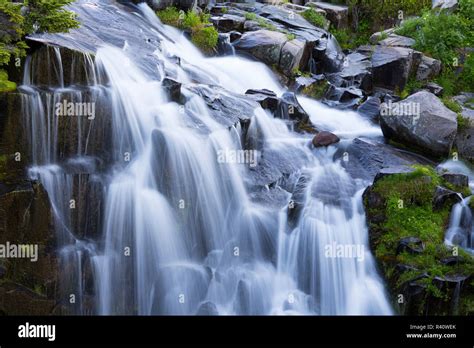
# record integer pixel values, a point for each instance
(294, 55)
(265, 45)
(422, 122)
(266, 98)
(459, 180)
(397, 41)
(377, 37)
(411, 245)
(393, 66)
(370, 108)
(449, 5)
(434, 88)
(356, 71)
(228, 22)
(428, 69)
(465, 142)
(393, 170)
(445, 198)
(338, 15)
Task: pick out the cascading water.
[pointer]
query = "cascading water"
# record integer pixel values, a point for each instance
(182, 232)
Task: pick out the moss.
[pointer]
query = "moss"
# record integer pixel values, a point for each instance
(316, 90)
(452, 105)
(463, 123)
(408, 211)
(203, 34)
(315, 18)
(5, 85)
(250, 16)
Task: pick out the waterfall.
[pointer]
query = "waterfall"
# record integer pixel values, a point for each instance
(180, 230)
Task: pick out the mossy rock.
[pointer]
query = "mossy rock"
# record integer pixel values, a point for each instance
(400, 206)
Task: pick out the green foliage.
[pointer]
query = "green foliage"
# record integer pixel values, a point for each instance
(349, 39)
(290, 36)
(316, 90)
(411, 87)
(49, 16)
(315, 18)
(39, 16)
(203, 34)
(452, 104)
(463, 123)
(250, 16)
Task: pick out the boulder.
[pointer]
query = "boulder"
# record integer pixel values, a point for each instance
(393, 66)
(421, 121)
(294, 55)
(378, 36)
(264, 45)
(356, 71)
(434, 88)
(228, 22)
(338, 15)
(458, 180)
(428, 69)
(172, 88)
(370, 108)
(266, 98)
(411, 245)
(444, 197)
(324, 138)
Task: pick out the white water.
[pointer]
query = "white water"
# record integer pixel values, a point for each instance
(180, 232)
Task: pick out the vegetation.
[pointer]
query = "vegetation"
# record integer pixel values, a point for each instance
(203, 34)
(315, 18)
(316, 90)
(408, 211)
(451, 104)
(36, 16)
(445, 36)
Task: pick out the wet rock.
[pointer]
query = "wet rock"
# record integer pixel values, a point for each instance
(412, 245)
(234, 36)
(465, 141)
(452, 260)
(290, 108)
(207, 308)
(265, 45)
(428, 69)
(356, 71)
(338, 15)
(296, 204)
(445, 198)
(397, 41)
(459, 180)
(343, 97)
(266, 98)
(228, 22)
(448, 5)
(173, 89)
(325, 139)
(294, 55)
(433, 129)
(328, 55)
(16, 299)
(393, 170)
(393, 66)
(370, 108)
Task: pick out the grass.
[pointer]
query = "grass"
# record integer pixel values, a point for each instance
(203, 34)
(315, 18)
(316, 90)
(451, 104)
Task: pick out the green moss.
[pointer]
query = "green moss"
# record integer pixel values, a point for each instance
(463, 123)
(203, 34)
(315, 18)
(452, 105)
(412, 86)
(408, 212)
(5, 85)
(250, 16)
(316, 90)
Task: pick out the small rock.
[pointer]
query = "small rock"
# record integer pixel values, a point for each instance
(444, 197)
(172, 88)
(411, 245)
(459, 180)
(434, 88)
(325, 138)
(398, 41)
(428, 69)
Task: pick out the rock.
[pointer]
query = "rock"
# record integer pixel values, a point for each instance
(412, 245)
(343, 97)
(265, 45)
(338, 15)
(452, 260)
(377, 37)
(228, 22)
(449, 5)
(172, 88)
(459, 180)
(327, 56)
(397, 41)
(207, 308)
(325, 139)
(370, 108)
(422, 122)
(393, 170)
(296, 204)
(266, 98)
(251, 26)
(290, 108)
(445, 198)
(393, 66)
(294, 55)
(428, 69)
(434, 88)
(234, 35)
(356, 71)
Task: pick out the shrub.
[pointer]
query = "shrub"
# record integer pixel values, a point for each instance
(315, 18)
(203, 34)
(49, 16)
(5, 85)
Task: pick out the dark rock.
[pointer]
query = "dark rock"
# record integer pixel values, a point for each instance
(412, 245)
(433, 129)
(370, 108)
(452, 260)
(294, 55)
(393, 66)
(325, 139)
(459, 180)
(234, 36)
(465, 141)
(328, 55)
(356, 71)
(290, 108)
(207, 308)
(228, 22)
(397, 41)
(266, 98)
(434, 88)
(393, 170)
(265, 45)
(445, 198)
(296, 204)
(343, 97)
(173, 89)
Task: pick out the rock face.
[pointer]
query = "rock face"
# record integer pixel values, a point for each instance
(428, 69)
(422, 122)
(393, 66)
(397, 41)
(228, 22)
(338, 15)
(274, 49)
(27, 288)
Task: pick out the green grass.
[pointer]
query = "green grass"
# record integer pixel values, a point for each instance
(203, 34)
(315, 18)
(451, 104)
(250, 16)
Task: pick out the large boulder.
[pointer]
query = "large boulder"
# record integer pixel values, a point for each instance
(393, 66)
(294, 55)
(421, 121)
(228, 22)
(428, 69)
